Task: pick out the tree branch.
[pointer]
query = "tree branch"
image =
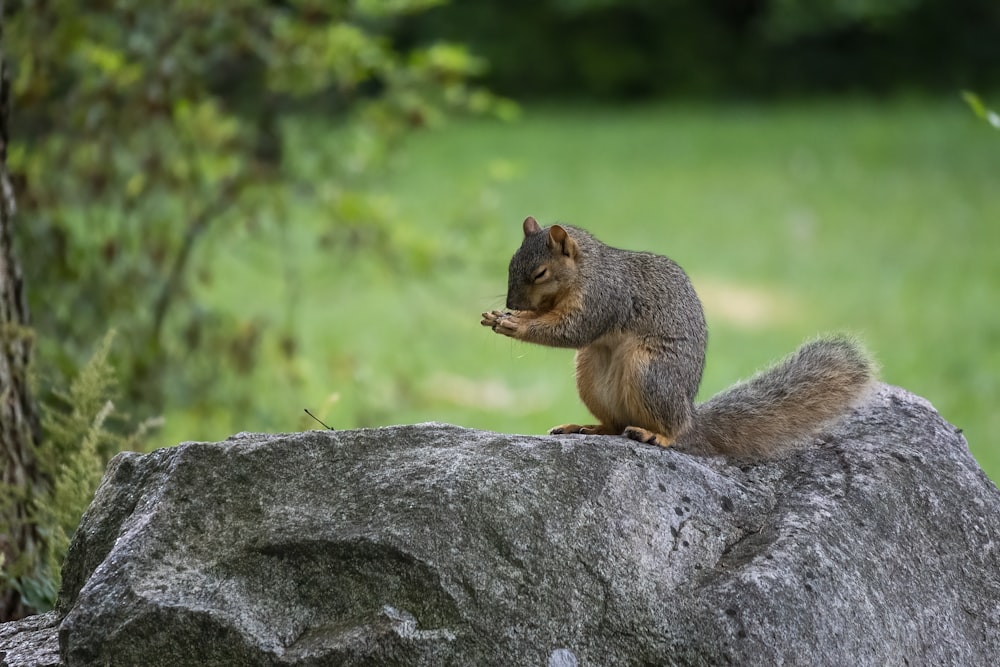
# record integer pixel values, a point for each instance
(197, 227)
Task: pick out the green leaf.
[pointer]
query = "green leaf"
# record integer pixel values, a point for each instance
(980, 109)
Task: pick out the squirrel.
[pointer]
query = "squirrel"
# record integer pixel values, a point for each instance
(640, 334)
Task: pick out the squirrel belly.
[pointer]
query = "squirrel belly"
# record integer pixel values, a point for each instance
(640, 335)
(610, 377)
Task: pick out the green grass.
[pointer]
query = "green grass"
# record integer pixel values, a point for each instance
(878, 219)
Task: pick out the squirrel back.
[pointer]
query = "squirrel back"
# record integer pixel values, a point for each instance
(640, 334)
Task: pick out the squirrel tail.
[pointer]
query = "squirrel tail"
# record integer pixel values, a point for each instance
(785, 406)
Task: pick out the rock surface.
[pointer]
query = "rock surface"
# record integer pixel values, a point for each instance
(31, 642)
(437, 545)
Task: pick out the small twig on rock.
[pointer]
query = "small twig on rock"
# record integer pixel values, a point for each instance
(318, 419)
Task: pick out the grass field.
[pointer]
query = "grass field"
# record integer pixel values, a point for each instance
(877, 219)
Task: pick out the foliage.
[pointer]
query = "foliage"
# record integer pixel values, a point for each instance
(981, 110)
(76, 446)
(790, 18)
(629, 48)
(151, 131)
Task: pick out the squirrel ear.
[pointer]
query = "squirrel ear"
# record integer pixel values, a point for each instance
(531, 226)
(560, 241)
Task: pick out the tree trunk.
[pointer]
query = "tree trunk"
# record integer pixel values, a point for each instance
(19, 423)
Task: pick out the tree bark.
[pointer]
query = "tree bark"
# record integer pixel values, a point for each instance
(20, 428)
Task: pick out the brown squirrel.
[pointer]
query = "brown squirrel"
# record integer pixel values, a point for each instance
(640, 335)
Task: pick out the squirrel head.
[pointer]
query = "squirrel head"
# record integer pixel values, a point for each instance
(544, 269)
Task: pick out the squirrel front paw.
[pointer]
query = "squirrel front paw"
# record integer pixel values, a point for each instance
(491, 318)
(502, 322)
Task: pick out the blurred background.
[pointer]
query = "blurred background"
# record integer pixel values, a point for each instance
(288, 204)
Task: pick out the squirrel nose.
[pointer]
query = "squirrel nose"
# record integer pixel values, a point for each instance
(515, 303)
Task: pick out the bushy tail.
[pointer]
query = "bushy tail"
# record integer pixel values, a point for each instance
(783, 407)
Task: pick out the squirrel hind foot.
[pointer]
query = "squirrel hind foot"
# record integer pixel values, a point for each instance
(640, 434)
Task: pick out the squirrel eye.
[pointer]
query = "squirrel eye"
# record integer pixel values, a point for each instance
(540, 274)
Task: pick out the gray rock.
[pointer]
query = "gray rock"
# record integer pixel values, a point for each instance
(30, 642)
(437, 545)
